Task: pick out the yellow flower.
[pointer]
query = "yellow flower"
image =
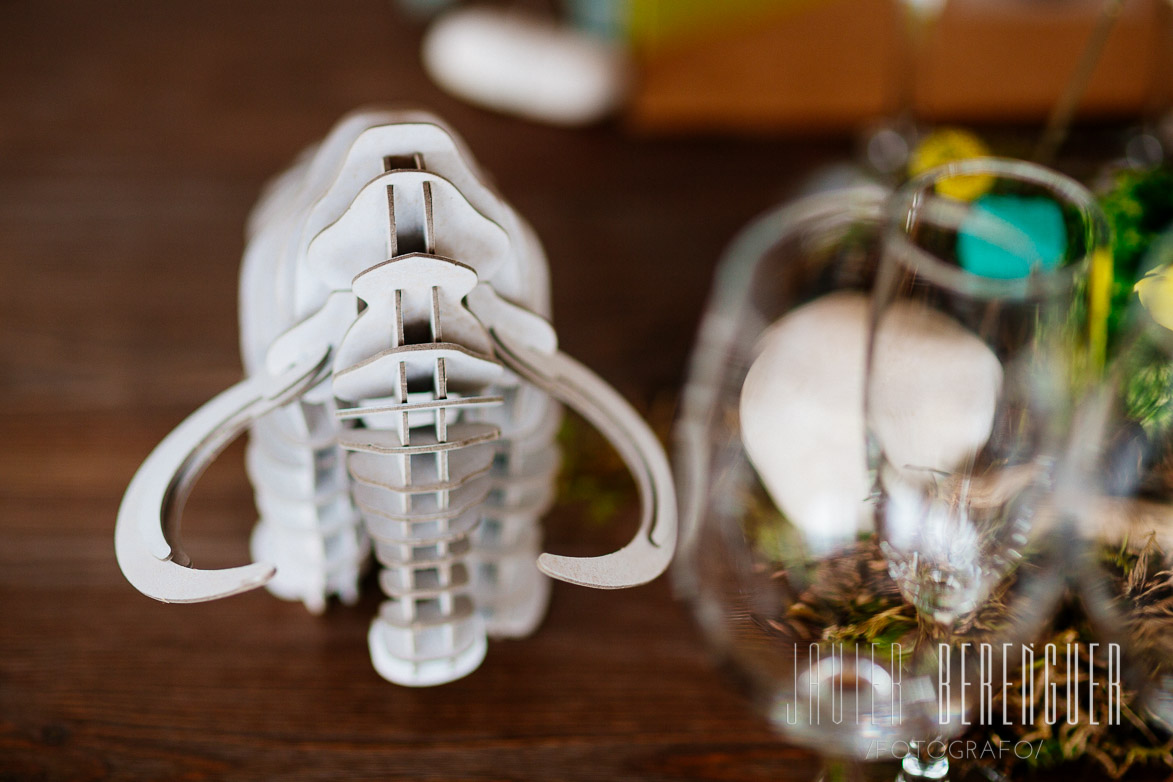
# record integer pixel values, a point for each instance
(945, 146)
(1156, 294)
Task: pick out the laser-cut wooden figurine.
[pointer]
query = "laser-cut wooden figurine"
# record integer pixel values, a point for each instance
(400, 390)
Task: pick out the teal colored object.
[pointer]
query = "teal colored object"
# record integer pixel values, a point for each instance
(1009, 236)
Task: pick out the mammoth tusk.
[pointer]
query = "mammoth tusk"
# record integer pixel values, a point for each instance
(647, 555)
(146, 537)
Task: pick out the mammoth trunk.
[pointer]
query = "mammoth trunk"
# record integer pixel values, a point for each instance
(450, 506)
(419, 463)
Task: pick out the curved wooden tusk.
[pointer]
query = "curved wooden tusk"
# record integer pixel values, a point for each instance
(146, 537)
(650, 551)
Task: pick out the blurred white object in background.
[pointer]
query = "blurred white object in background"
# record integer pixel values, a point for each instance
(527, 65)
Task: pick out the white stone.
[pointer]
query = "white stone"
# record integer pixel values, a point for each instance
(802, 406)
(935, 389)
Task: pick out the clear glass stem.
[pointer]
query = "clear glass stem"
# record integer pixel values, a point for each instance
(919, 764)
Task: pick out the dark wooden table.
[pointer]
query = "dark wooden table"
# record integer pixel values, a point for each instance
(134, 137)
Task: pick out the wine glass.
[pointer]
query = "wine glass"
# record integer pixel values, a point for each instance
(984, 330)
(783, 558)
(770, 488)
(1118, 500)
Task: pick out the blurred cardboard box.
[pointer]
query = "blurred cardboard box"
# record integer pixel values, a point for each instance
(810, 65)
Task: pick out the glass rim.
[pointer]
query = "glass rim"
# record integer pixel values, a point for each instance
(925, 264)
(733, 273)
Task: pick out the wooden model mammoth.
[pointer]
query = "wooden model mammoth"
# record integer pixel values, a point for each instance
(402, 393)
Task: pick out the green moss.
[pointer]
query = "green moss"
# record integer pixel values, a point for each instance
(1148, 397)
(1139, 208)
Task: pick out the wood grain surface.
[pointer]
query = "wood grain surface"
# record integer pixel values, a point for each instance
(134, 137)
